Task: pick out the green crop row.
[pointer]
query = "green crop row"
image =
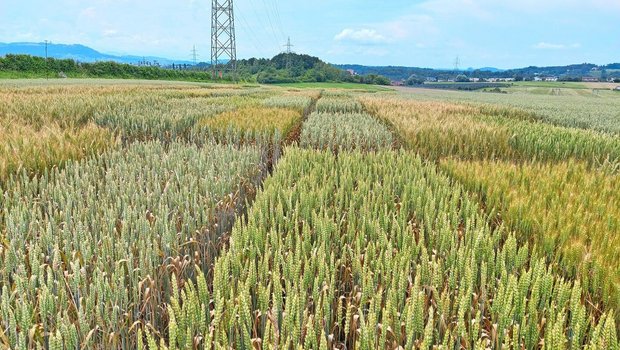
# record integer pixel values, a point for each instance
(339, 104)
(376, 251)
(86, 250)
(301, 103)
(345, 132)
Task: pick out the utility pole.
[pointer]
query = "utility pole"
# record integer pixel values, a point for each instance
(46, 61)
(288, 53)
(223, 41)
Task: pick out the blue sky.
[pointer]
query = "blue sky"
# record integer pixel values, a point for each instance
(426, 33)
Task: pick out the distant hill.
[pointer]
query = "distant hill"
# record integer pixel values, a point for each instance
(486, 69)
(574, 71)
(402, 73)
(300, 68)
(79, 53)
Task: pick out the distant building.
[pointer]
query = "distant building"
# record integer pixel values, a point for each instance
(431, 79)
(474, 80)
(538, 79)
(551, 78)
(397, 82)
(496, 80)
(352, 72)
(589, 79)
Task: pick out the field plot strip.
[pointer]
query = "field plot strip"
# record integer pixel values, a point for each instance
(596, 110)
(100, 235)
(339, 104)
(45, 126)
(88, 247)
(340, 124)
(553, 185)
(26, 150)
(444, 129)
(338, 131)
(373, 251)
(569, 210)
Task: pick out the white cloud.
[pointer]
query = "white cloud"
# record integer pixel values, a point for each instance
(552, 46)
(368, 36)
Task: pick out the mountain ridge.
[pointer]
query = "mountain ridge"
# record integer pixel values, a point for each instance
(80, 53)
(569, 71)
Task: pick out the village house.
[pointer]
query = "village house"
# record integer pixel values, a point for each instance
(496, 80)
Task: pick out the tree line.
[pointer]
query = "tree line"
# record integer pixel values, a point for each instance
(39, 66)
(573, 72)
(283, 68)
(293, 68)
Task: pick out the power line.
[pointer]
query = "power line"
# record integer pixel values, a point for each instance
(246, 29)
(269, 19)
(260, 18)
(272, 7)
(275, 6)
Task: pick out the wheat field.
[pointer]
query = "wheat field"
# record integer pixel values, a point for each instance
(139, 215)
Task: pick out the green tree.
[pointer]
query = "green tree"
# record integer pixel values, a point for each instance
(414, 79)
(461, 78)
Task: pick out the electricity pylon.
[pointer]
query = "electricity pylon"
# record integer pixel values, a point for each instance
(288, 46)
(223, 41)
